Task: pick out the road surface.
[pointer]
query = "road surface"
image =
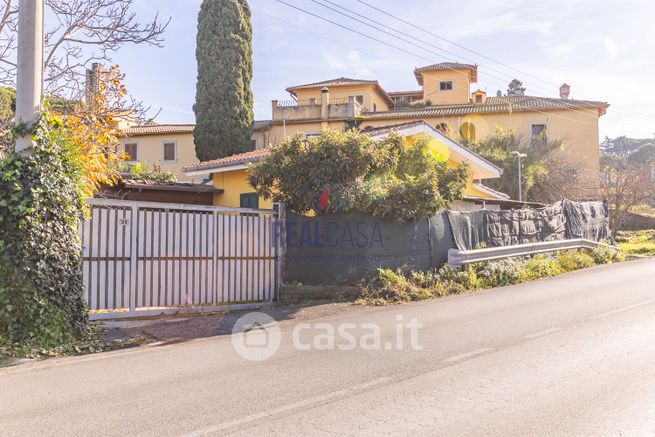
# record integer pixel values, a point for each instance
(572, 355)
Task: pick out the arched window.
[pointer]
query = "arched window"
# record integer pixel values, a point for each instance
(443, 128)
(467, 131)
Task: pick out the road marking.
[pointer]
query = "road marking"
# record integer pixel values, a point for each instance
(542, 333)
(468, 355)
(322, 399)
(620, 310)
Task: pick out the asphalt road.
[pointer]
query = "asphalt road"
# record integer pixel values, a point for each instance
(571, 355)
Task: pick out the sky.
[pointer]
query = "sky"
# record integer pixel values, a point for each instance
(605, 49)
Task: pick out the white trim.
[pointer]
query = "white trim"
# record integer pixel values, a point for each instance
(452, 85)
(216, 170)
(489, 191)
(425, 128)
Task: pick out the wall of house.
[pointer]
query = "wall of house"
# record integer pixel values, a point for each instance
(371, 97)
(150, 152)
(460, 93)
(577, 128)
(235, 183)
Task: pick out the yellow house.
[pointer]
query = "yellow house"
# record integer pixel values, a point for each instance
(230, 174)
(444, 101)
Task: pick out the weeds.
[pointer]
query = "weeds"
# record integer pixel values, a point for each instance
(402, 286)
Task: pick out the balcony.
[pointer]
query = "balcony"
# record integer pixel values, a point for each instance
(313, 109)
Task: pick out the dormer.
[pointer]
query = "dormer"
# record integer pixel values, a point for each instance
(479, 97)
(447, 83)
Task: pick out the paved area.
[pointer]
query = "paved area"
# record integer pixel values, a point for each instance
(564, 356)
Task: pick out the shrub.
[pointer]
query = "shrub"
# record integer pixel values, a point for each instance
(606, 255)
(574, 260)
(540, 266)
(41, 289)
(390, 286)
(347, 171)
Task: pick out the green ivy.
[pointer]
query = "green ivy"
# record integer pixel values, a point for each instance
(41, 202)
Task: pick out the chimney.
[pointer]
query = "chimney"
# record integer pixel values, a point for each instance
(325, 107)
(564, 91)
(92, 83)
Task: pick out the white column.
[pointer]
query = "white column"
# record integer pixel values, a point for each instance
(29, 80)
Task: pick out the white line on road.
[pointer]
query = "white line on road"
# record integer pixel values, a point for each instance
(620, 310)
(542, 333)
(468, 355)
(304, 403)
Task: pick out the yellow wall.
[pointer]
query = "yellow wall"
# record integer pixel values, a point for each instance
(150, 152)
(371, 97)
(460, 93)
(234, 183)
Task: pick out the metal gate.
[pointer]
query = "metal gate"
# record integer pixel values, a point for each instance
(142, 258)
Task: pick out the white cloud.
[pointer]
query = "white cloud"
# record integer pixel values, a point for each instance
(611, 47)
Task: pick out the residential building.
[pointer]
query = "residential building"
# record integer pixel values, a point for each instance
(444, 101)
(230, 174)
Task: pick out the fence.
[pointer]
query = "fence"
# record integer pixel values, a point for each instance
(142, 258)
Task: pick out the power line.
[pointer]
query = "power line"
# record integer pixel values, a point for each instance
(500, 79)
(639, 115)
(420, 56)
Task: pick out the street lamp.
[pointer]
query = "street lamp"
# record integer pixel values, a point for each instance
(520, 156)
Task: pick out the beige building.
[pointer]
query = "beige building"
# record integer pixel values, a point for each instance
(444, 100)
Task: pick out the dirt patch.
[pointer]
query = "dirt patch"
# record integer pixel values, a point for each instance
(186, 327)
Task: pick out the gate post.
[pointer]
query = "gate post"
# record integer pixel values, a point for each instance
(280, 248)
(134, 256)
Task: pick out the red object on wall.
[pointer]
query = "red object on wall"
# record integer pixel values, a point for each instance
(324, 200)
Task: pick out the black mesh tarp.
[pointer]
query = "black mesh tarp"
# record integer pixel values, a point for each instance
(561, 220)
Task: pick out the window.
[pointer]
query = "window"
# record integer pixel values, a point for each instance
(169, 151)
(446, 85)
(359, 99)
(249, 200)
(131, 151)
(443, 128)
(467, 131)
(253, 144)
(538, 130)
(478, 98)
(375, 107)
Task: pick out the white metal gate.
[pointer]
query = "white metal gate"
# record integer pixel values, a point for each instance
(142, 258)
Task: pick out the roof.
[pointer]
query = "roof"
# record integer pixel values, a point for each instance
(488, 190)
(405, 93)
(159, 129)
(342, 81)
(228, 161)
(445, 66)
(493, 104)
(383, 130)
(168, 186)
(164, 129)
(419, 126)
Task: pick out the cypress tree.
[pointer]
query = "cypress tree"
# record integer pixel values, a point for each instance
(223, 108)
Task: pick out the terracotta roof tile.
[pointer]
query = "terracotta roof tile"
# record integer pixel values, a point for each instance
(240, 158)
(493, 104)
(340, 81)
(159, 129)
(445, 66)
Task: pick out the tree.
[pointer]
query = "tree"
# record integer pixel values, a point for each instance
(7, 109)
(515, 88)
(625, 183)
(224, 102)
(347, 171)
(83, 32)
(546, 177)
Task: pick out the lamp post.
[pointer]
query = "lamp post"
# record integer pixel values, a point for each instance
(520, 156)
(29, 79)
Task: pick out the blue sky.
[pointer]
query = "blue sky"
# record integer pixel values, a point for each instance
(605, 49)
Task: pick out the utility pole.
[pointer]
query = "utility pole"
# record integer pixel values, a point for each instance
(29, 80)
(520, 156)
